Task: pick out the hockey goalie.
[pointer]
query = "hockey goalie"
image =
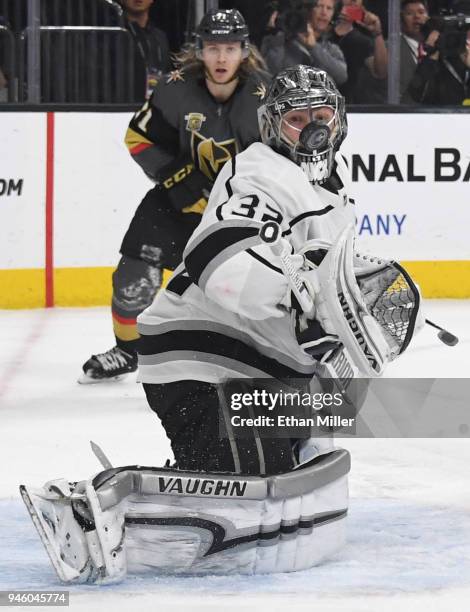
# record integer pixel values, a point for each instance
(272, 288)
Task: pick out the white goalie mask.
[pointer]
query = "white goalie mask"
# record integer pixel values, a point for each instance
(312, 92)
(372, 304)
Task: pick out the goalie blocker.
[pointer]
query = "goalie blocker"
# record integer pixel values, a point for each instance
(163, 520)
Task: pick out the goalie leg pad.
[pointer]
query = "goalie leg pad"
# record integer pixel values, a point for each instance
(188, 523)
(192, 523)
(108, 539)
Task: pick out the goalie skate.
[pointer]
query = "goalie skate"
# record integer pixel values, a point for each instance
(110, 366)
(51, 511)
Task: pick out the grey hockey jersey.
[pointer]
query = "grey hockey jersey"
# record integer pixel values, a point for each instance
(224, 313)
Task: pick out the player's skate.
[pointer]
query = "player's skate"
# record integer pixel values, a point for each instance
(56, 522)
(109, 366)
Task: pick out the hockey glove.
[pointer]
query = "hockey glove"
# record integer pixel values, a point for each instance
(374, 313)
(187, 187)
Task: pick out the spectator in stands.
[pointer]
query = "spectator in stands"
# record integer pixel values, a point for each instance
(414, 14)
(379, 8)
(151, 45)
(269, 21)
(443, 78)
(359, 35)
(305, 39)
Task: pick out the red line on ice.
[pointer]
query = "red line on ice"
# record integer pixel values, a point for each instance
(16, 363)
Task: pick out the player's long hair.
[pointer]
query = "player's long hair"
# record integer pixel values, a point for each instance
(187, 59)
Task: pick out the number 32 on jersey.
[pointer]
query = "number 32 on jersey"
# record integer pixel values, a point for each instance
(251, 207)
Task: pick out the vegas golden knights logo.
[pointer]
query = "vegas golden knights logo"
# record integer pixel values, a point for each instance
(208, 154)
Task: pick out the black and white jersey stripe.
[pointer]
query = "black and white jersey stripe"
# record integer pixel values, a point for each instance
(215, 344)
(218, 243)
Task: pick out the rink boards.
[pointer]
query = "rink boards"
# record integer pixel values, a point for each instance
(68, 189)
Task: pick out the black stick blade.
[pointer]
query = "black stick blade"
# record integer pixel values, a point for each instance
(447, 338)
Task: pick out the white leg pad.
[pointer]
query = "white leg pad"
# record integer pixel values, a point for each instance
(163, 520)
(108, 544)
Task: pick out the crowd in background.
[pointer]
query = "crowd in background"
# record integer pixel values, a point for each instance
(346, 38)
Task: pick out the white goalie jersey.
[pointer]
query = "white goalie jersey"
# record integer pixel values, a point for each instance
(225, 312)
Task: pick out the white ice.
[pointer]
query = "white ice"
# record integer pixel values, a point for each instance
(409, 523)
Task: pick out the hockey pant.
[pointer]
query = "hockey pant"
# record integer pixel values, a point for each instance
(193, 414)
(140, 520)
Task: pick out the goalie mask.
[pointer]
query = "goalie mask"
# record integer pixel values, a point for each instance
(370, 303)
(222, 25)
(312, 94)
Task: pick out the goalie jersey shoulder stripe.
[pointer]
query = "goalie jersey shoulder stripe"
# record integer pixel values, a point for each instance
(179, 282)
(228, 186)
(217, 244)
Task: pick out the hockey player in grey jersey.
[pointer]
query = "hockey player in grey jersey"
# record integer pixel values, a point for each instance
(256, 297)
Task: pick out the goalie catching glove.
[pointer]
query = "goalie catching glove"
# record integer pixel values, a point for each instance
(371, 306)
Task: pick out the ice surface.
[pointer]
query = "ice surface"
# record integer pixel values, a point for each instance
(409, 523)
